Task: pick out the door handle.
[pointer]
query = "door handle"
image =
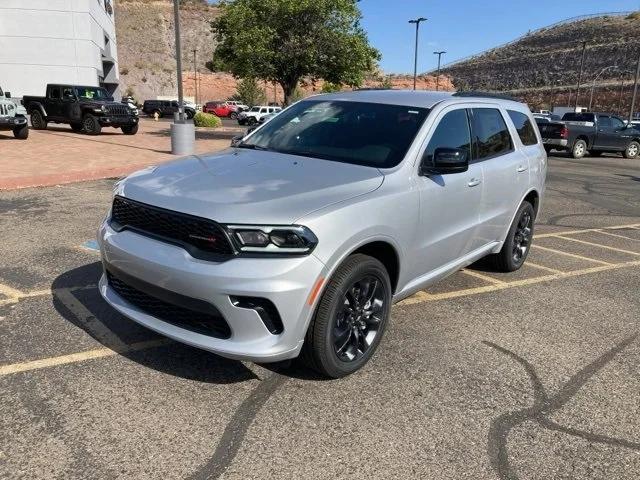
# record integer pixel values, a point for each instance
(473, 182)
(521, 168)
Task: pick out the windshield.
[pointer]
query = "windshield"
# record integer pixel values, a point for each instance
(255, 109)
(371, 134)
(92, 93)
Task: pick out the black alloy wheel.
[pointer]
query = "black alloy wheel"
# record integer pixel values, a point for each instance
(516, 246)
(522, 237)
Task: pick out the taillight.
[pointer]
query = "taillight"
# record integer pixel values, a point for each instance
(564, 132)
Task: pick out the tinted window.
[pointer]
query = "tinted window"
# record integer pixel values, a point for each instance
(604, 121)
(617, 123)
(370, 134)
(578, 117)
(523, 125)
(490, 133)
(451, 132)
(55, 93)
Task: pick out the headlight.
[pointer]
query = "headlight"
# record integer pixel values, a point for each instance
(101, 109)
(273, 239)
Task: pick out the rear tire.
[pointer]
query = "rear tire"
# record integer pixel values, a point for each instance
(130, 129)
(632, 150)
(516, 247)
(21, 133)
(579, 149)
(91, 125)
(251, 121)
(350, 318)
(37, 121)
(233, 115)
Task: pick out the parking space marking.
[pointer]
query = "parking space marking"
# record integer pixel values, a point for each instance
(79, 357)
(561, 252)
(9, 291)
(518, 283)
(598, 245)
(635, 226)
(542, 267)
(618, 236)
(17, 295)
(479, 275)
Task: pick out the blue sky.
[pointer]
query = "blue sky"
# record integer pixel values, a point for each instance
(463, 27)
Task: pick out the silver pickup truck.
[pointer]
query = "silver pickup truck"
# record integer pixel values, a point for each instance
(13, 117)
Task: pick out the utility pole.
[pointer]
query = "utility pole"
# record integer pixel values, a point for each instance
(635, 91)
(438, 74)
(183, 134)
(415, 56)
(584, 50)
(195, 75)
(620, 97)
(176, 15)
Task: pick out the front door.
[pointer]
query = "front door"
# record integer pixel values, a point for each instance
(614, 136)
(449, 204)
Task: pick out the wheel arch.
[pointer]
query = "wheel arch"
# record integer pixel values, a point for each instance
(532, 196)
(386, 254)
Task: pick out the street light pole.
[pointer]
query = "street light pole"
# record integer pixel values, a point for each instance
(620, 97)
(635, 91)
(438, 74)
(593, 85)
(415, 57)
(584, 49)
(183, 134)
(176, 15)
(195, 75)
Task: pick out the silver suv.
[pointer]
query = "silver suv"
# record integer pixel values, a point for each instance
(297, 241)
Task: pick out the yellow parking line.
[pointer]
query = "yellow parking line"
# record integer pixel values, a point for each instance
(542, 267)
(598, 245)
(553, 250)
(585, 230)
(9, 291)
(486, 278)
(78, 357)
(518, 283)
(618, 236)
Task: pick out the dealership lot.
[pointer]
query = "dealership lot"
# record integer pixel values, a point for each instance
(532, 374)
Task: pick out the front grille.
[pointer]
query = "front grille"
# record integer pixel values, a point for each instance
(201, 237)
(117, 110)
(201, 317)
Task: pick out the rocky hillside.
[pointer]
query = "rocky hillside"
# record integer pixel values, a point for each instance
(543, 66)
(147, 55)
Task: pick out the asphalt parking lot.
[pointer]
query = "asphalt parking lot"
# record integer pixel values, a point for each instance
(531, 375)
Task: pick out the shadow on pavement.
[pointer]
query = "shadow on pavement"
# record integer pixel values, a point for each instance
(173, 358)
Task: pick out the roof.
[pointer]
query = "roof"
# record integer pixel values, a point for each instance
(410, 98)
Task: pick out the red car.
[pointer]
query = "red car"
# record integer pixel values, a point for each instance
(220, 109)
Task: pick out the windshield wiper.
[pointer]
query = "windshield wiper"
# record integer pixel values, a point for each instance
(252, 146)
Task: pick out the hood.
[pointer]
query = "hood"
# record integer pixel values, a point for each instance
(248, 186)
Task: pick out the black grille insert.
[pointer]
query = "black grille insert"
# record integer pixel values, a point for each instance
(119, 110)
(202, 238)
(183, 312)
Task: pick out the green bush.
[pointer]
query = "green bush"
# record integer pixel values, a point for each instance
(207, 120)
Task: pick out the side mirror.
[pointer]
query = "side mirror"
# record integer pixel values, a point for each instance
(445, 161)
(7, 94)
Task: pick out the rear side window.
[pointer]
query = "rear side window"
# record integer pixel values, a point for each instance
(490, 134)
(578, 117)
(55, 93)
(451, 132)
(523, 125)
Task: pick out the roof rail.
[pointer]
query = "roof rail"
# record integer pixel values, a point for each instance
(472, 93)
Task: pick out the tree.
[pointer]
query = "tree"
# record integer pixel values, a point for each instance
(329, 87)
(284, 41)
(250, 92)
(386, 82)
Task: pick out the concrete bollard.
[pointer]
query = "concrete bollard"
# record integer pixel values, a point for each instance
(183, 138)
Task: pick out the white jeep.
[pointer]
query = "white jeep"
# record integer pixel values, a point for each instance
(13, 117)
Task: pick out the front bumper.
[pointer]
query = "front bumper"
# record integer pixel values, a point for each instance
(117, 121)
(285, 281)
(9, 123)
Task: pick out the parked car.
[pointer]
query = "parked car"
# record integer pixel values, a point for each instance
(221, 109)
(240, 107)
(166, 108)
(297, 241)
(13, 117)
(254, 114)
(595, 133)
(86, 109)
(267, 117)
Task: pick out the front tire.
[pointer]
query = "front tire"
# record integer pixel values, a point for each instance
(350, 319)
(233, 115)
(91, 125)
(251, 121)
(632, 150)
(579, 149)
(21, 133)
(37, 121)
(518, 242)
(130, 129)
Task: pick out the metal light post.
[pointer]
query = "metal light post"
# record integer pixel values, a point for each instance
(438, 74)
(595, 79)
(183, 134)
(415, 57)
(620, 97)
(635, 91)
(584, 49)
(195, 76)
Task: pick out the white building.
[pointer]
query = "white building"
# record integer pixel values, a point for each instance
(57, 41)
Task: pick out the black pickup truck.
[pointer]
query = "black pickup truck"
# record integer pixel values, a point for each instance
(595, 133)
(86, 109)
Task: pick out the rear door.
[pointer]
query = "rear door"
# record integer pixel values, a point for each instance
(449, 204)
(505, 170)
(54, 101)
